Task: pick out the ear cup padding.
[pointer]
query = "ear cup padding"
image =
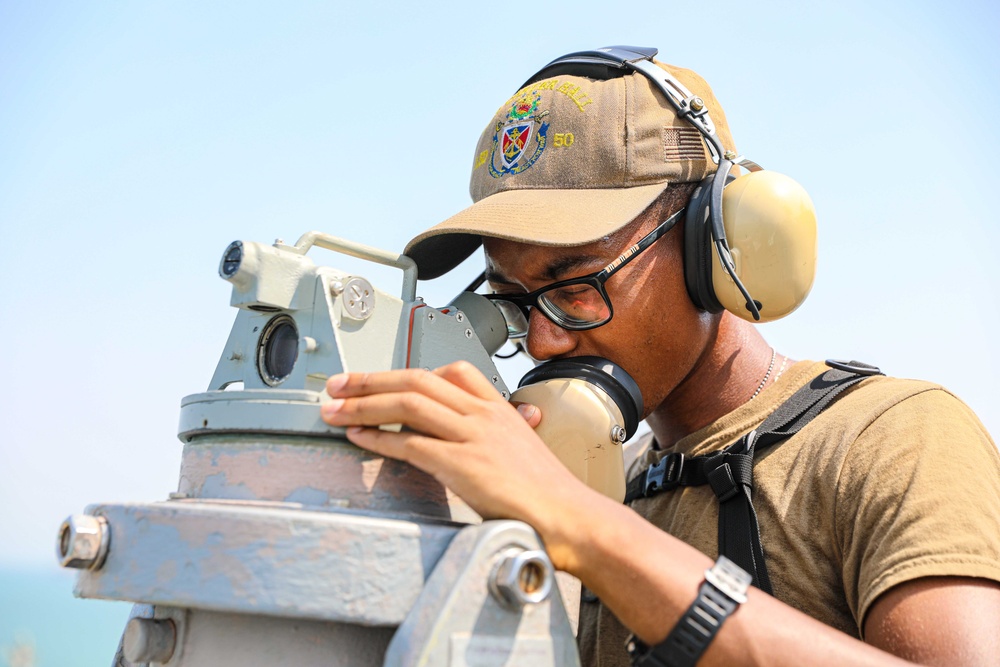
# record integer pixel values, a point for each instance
(698, 249)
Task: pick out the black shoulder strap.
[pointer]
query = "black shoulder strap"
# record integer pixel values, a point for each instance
(730, 471)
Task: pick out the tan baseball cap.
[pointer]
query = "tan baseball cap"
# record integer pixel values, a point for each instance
(569, 159)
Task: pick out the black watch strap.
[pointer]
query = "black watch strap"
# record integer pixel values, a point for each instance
(724, 589)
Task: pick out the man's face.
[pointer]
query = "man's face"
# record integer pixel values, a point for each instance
(656, 334)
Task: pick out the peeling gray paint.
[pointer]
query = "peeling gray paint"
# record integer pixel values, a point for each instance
(307, 495)
(331, 565)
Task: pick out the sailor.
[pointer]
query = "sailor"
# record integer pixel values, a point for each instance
(879, 520)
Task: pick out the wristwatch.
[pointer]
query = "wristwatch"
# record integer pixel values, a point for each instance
(724, 589)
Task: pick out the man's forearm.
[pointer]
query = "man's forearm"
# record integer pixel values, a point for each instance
(649, 578)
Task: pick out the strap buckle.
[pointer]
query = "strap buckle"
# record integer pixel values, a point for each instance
(665, 475)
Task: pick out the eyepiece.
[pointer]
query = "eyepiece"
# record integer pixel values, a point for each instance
(603, 373)
(231, 259)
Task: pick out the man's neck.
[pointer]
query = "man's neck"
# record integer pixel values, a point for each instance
(725, 377)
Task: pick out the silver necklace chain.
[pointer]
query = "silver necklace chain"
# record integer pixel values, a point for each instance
(766, 375)
(781, 369)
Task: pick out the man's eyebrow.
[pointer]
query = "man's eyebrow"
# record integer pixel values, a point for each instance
(497, 278)
(565, 265)
(554, 271)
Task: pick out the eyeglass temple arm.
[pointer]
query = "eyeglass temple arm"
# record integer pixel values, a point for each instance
(477, 283)
(643, 243)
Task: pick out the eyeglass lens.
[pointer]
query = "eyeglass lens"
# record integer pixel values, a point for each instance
(572, 306)
(575, 305)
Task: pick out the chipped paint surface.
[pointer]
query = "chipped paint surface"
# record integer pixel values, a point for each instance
(269, 560)
(457, 621)
(315, 472)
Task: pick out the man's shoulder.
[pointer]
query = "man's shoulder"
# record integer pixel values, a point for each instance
(882, 405)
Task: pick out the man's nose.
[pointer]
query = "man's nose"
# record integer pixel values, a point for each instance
(547, 339)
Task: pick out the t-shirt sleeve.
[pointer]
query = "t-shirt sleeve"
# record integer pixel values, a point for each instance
(918, 496)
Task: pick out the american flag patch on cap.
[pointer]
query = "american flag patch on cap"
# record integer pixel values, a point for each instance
(682, 143)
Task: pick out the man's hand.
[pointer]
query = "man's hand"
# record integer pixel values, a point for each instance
(460, 430)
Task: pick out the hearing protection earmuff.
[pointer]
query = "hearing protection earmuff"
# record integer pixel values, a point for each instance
(761, 226)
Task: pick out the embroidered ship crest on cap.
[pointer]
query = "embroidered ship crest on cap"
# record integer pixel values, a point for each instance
(523, 132)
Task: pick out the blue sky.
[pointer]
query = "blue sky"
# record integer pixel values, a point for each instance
(138, 139)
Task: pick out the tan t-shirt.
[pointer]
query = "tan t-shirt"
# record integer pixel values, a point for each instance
(895, 481)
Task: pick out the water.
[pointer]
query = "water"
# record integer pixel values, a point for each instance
(43, 625)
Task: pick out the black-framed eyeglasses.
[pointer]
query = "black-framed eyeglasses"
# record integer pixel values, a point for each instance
(576, 304)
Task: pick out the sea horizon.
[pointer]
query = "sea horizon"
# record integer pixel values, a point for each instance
(43, 625)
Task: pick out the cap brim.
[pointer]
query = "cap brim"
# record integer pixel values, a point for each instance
(540, 217)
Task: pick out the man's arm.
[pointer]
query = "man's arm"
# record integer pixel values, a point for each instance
(939, 621)
(474, 442)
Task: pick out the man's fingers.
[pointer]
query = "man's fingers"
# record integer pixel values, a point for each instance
(413, 448)
(417, 411)
(449, 385)
(466, 376)
(531, 414)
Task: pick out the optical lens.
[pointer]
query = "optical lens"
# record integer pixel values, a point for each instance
(278, 349)
(517, 325)
(574, 306)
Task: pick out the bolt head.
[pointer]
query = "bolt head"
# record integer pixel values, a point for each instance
(522, 577)
(697, 104)
(82, 543)
(149, 640)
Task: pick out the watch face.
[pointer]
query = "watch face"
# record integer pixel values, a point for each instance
(731, 580)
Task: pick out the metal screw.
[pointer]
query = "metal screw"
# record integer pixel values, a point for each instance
(522, 577)
(430, 316)
(460, 316)
(495, 378)
(697, 104)
(468, 333)
(617, 434)
(729, 155)
(336, 288)
(504, 394)
(83, 542)
(149, 640)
